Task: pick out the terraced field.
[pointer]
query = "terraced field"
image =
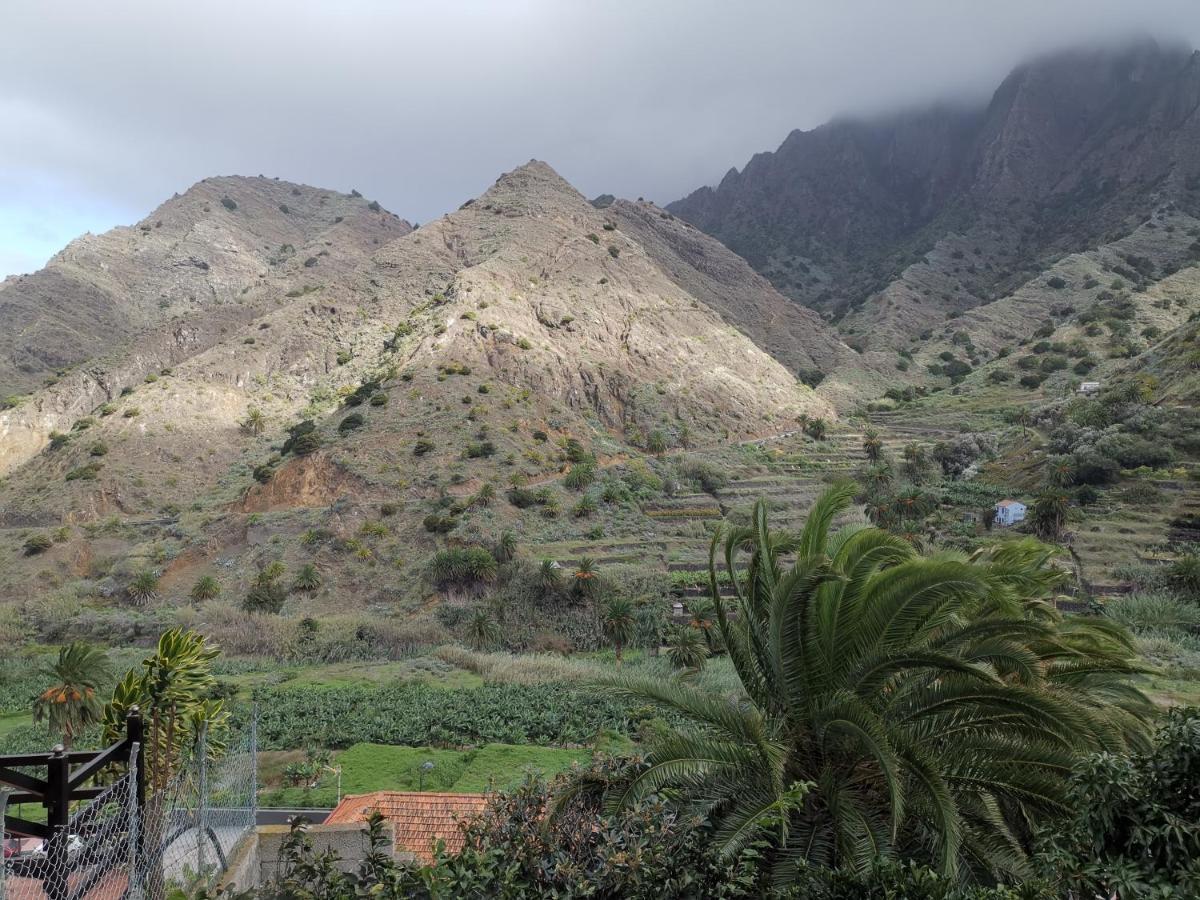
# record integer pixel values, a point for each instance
(788, 471)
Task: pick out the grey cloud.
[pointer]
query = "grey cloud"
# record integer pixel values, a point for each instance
(421, 105)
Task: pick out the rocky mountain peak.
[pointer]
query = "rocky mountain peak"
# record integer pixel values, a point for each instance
(924, 214)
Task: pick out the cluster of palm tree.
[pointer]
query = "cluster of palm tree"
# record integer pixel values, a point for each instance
(893, 706)
(897, 506)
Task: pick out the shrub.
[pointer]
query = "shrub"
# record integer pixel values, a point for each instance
(710, 478)
(1183, 575)
(479, 450)
(580, 476)
(614, 251)
(37, 543)
(228, 203)
(422, 446)
(265, 596)
(84, 473)
(1053, 363)
(379, 399)
(351, 422)
(462, 566)
(437, 523)
(1154, 613)
(296, 433)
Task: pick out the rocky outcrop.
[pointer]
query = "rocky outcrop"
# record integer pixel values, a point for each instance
(898, 223)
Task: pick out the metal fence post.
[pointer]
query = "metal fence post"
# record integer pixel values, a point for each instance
(3, 859)
(134, 886)
(202, 800)
(58, 815)
(254, 765)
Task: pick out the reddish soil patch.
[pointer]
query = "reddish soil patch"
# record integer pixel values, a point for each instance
(305, 482)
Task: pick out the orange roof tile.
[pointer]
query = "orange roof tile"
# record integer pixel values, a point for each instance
(418, 819)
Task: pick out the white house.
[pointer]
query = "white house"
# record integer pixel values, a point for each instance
(1089, 387)
(1009, 512)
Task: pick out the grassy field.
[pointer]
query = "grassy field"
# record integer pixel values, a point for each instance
(376, 767)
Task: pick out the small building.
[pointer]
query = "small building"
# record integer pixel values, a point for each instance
(418, 819)
(1089, 387)
(1009, 512)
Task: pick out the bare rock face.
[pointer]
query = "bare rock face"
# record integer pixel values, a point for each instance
(226, 241)
(893, 225)
(552, 293)
(548, 301)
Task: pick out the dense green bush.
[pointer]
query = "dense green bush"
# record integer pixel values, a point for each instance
(1136, 827)
(37, 543)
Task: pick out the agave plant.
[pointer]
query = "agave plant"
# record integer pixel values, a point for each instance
(506, 547)
(308, 578)
(206, 588)
(143, 588)
(895, 706)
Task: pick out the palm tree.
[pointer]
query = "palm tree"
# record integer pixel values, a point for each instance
(687, 649)
(1061, 473)
(913, 504)
(482, 630)
(877, 479)
(585, 577)
(894, 705)
(816, 428)
(206, 588)
(70, 704)
(1049, 514)
(873, 445)
(255, 422)
(618, 624)
(916, 461)
(549, 578)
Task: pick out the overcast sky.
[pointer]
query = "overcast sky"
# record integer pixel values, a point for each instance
(108, 108)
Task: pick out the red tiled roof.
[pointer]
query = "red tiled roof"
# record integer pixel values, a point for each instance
(418, 819)
(1006, 502)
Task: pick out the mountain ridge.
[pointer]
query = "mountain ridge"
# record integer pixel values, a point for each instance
(837, 216)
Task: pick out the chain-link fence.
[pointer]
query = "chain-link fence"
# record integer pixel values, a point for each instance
(182, 836)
